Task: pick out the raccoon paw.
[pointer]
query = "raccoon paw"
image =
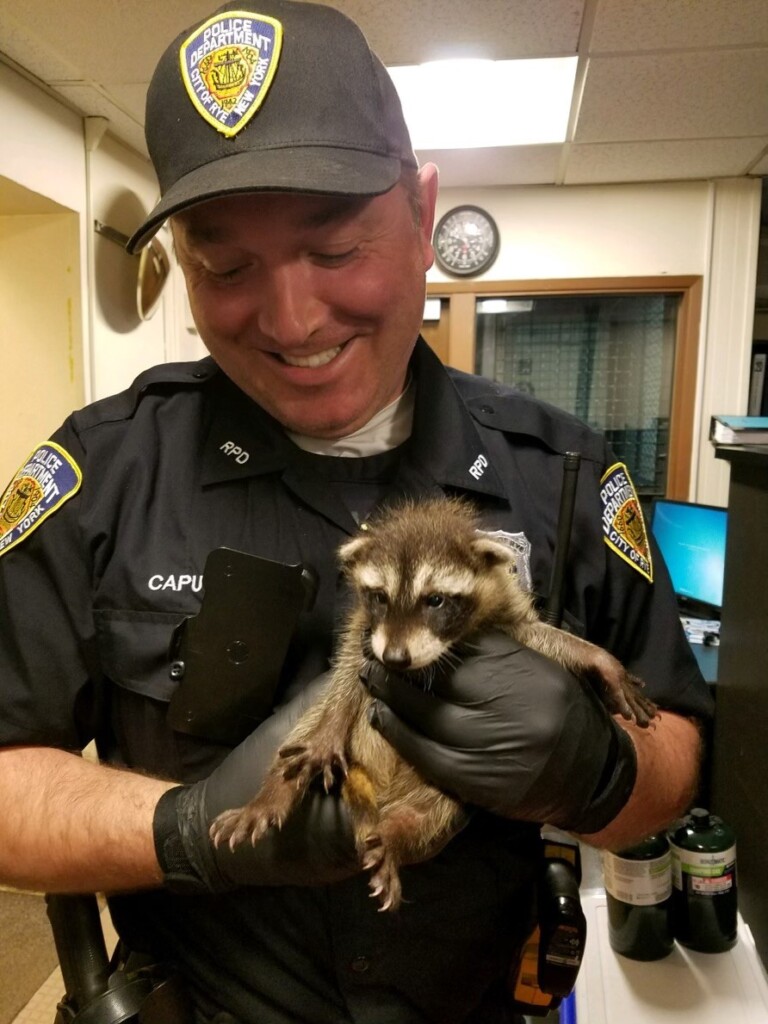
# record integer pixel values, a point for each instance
(642, 708)
(302, 763)
(384, 882)
(624, 696)
(249, 822)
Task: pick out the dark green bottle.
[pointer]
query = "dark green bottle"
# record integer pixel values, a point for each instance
(638, 890)
(704, 893)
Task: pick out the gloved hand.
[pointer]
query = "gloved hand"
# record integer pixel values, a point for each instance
(314, 847)
(512, 732)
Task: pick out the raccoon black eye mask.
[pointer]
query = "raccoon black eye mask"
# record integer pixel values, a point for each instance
(429, 587)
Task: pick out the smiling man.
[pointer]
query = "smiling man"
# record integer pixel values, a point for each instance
(303, 227)
(298, 295)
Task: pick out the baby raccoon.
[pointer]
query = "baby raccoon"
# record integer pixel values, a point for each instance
(424, 580)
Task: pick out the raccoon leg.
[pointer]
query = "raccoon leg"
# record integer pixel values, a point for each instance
(316, 746)
(410, 830)
(360, 796)
(270, 807)
(620, 690)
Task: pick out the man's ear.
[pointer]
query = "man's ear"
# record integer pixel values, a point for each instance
(428, 184)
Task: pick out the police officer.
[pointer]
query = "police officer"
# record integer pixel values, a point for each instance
(303, 227)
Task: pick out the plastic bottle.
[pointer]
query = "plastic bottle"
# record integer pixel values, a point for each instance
(638, 887)
(704, 891)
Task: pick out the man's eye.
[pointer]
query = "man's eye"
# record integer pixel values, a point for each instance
(227, 275)
(334, 259)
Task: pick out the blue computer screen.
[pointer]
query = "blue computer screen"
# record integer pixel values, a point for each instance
(692, 541)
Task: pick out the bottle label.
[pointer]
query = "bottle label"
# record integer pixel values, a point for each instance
(641, 883)
(706, 874)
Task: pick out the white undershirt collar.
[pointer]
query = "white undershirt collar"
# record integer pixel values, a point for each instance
(390, 427)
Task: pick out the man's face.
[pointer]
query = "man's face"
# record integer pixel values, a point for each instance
(310, 304)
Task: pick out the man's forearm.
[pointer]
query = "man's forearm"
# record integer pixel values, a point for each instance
(668, 759)
(69, 825)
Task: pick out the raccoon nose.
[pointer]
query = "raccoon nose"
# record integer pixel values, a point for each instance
(396, 658)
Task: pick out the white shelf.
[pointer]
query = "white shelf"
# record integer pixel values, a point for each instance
(684, 988)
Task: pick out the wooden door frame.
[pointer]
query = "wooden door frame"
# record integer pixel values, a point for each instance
(462, 296)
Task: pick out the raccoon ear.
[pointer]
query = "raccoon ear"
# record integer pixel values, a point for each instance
(350, 550)
(493, 552)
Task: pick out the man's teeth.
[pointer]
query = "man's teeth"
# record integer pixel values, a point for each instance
(318, 359)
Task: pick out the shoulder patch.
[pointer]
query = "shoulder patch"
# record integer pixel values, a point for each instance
(48, 478)
(623, 524)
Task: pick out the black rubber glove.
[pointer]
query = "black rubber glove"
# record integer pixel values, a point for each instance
(314, 847)
(512, 732)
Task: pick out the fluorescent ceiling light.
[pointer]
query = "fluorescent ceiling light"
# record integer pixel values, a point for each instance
(464, 104)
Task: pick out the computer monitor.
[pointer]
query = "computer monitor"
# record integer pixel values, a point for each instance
(692, 540)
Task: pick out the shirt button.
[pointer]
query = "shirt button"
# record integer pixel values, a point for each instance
(360, 964)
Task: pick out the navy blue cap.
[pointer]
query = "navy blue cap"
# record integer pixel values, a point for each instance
(288, 97)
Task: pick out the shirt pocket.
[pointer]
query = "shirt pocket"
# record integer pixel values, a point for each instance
(134, 649)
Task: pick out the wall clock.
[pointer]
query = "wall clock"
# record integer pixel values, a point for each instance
(466, 241)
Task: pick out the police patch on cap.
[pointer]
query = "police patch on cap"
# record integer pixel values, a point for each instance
(623, 524)
(48, 478)
(228, 64)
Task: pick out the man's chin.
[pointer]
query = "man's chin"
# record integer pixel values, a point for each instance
(330, 423)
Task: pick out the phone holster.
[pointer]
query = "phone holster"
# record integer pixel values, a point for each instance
(227, 659)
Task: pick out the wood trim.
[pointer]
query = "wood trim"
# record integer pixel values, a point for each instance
(461, 297)
(461, 332)
(681, 414)
(564, 286)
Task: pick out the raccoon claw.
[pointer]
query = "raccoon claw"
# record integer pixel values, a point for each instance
(303, 765)
(384, 882)
(234, 827)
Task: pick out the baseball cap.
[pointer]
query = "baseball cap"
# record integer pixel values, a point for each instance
(287, 96)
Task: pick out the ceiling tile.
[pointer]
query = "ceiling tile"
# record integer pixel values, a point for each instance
(131, 98)
(680, 96)
(99, 55)
(761, 167)
(631, 25)
(522, 165)
(407, 32)
(661, 161)
(32, 49)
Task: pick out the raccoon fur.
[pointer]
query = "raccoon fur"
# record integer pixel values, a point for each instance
(424, 580)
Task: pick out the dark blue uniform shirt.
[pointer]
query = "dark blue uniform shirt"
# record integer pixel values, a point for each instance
(182, 463)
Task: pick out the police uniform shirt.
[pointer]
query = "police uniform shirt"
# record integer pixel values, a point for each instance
(183, 463)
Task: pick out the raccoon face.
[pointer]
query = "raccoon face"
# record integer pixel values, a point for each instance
(413, 619)
(413, 630)
(425, 579)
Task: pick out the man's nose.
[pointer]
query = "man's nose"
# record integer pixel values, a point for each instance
(289, 312)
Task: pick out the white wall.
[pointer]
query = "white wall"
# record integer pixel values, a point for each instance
(42, 373)
(702, 228)
(122, 191)
(646, 230)
(44, 149)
